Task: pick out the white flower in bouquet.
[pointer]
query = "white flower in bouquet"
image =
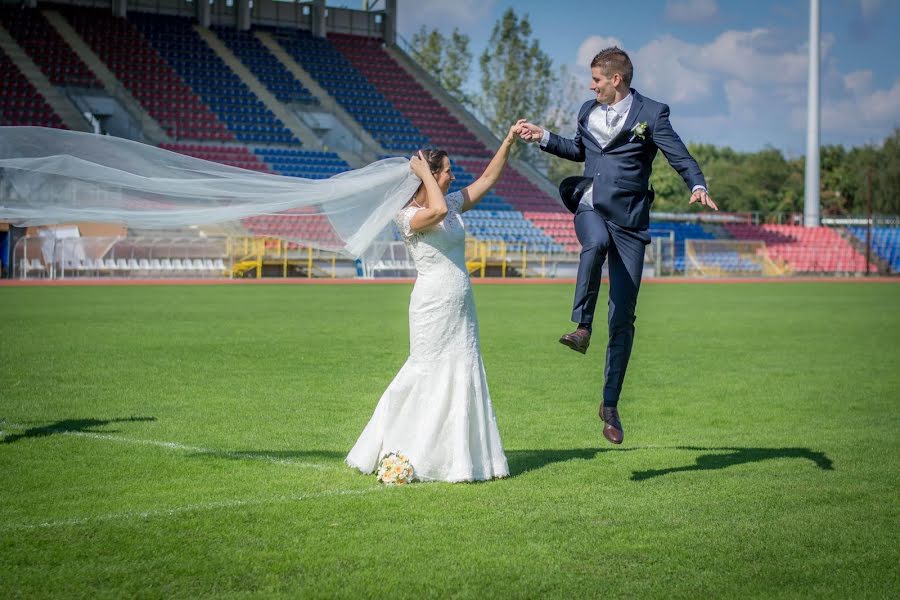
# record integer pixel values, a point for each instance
(395, 469)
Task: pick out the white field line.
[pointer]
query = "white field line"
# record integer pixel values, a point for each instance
(199, 450)
(178, 510)
(185, 448)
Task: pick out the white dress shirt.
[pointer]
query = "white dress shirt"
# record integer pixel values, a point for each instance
(605, 122)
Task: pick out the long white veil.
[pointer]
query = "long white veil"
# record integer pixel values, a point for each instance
(50, 176)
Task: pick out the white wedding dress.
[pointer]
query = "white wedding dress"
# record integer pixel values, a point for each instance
(437, 410)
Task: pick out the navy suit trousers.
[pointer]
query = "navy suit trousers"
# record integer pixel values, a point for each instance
(601, 239)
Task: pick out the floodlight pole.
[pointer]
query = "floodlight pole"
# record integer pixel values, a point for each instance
(811, 195)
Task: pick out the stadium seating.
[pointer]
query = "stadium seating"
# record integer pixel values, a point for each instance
(515, 189)
(557, 226)
(20, 102)
(256, 57)
(687, 231)
(728, 261)
(219, 87)
(46, 47)
(202, 103)
(885, 242)
(236, 156)
(407, 95)
(805, 249)
(302, 163)
(509, 226)
(298, 224)
(149, 78)
(350, 88)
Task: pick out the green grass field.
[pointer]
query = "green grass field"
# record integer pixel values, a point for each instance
(188, 442)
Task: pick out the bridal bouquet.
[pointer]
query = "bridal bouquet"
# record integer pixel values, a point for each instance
(395, 469)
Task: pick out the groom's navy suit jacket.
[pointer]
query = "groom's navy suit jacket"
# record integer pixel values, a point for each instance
(621, 170)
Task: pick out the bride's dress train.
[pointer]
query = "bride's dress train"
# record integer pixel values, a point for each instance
(437, 410)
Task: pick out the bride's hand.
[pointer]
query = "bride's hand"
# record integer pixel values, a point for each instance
(515, 131)
(419, 166)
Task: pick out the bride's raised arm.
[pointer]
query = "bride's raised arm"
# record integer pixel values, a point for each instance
(473, 194)
(433, 205)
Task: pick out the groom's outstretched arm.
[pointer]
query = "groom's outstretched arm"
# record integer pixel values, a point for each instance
(675, 151)
(571, 149)
(681, 160)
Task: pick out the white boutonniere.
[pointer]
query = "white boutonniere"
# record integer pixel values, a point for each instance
(639, 131)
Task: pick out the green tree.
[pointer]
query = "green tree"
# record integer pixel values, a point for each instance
(879, 168)
(447, 59)
(456, 66)
(517, 77)
(836, 193)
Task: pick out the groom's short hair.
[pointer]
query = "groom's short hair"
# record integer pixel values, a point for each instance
(614, 60)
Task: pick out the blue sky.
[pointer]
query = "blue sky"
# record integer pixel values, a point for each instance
(733, 72)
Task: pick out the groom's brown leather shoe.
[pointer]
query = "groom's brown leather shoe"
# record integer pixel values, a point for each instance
(612, 427)
(578, 340)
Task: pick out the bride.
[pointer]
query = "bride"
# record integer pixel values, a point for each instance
(437, 411)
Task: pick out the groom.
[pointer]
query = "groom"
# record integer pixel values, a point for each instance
(618, 135)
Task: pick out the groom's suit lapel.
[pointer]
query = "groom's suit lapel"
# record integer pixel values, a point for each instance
(637, 105)
(584, 121)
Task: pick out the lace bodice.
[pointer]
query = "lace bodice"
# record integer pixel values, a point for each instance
(440, 248)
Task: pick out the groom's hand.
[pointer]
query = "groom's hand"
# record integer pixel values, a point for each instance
(530, 132)
(703, 198)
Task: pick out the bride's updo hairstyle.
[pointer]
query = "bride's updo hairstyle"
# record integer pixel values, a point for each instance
(434, 158)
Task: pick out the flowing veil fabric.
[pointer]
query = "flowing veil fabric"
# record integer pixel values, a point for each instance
(50, 176)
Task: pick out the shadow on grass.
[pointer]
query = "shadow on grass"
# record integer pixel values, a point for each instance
(522, 461)
(734, 457)
(70, 426)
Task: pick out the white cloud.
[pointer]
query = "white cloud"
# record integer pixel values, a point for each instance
(753, 56)
(869, 8)
(591, 46)
(751, 79)
(873, 112)
(666, 68)
(691, 11)
(858, 81)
